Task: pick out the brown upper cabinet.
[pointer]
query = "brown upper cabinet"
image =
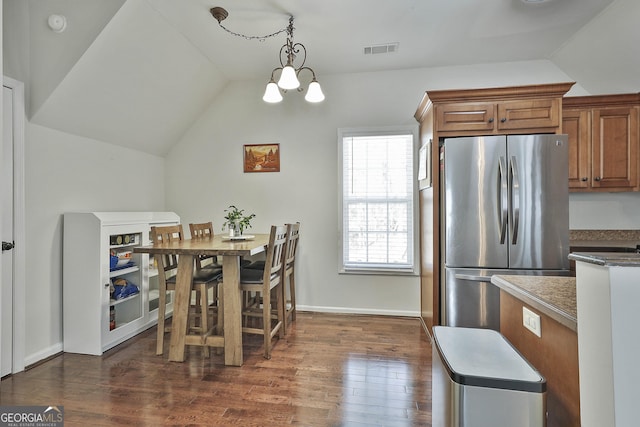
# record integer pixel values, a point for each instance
(604, 142)
(499, 117)
(524, 109)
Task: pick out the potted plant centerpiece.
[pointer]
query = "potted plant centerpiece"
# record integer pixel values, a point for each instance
(236, 221)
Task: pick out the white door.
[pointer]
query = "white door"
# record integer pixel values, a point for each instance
(12, 227)
(6, 232)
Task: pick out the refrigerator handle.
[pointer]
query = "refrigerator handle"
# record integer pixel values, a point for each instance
(503, 198)
(515, 200)
(473, 277)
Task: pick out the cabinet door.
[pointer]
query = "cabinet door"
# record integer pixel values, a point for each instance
(615, 148)
(529, 114)
(465, 117)
(577, 124)
(123, 313)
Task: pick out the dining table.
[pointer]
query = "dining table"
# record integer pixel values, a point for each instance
(232, 250)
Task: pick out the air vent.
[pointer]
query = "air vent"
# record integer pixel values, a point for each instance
(381, 48)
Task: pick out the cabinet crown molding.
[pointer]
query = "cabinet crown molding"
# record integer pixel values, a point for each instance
(614, 100)
(500, 93)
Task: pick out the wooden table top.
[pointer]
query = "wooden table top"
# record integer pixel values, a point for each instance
(219, 245)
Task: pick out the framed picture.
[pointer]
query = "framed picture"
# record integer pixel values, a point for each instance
(424, 166)
(262, 158)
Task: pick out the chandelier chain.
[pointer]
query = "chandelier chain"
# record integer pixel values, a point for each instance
(288, 29)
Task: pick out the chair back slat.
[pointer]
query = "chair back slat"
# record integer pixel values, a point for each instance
(165, 234)
(293, 232)
(274, 257)
(203, 230)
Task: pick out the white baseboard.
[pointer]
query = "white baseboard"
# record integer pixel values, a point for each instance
(345, 310)
(43, 354)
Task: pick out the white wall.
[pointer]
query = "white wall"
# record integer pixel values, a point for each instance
(204, 171)
(66, 173)
(604, 211)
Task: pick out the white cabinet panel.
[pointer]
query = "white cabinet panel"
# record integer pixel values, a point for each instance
(97, 315)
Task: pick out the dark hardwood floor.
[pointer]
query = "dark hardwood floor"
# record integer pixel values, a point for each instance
(330, 370)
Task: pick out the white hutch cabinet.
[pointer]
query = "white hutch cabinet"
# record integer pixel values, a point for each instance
(93, 321)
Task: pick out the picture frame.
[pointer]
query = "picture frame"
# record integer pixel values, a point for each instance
(261, 158)
(424, 166)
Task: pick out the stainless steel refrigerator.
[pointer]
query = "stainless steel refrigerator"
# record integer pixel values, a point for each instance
(505, 205)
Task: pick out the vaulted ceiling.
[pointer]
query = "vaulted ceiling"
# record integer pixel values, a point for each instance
(138, 72)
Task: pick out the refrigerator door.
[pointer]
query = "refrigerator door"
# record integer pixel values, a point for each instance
(538, 201)
(475, 202)
(469, 299)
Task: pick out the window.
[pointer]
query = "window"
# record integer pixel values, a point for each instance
(377, 200)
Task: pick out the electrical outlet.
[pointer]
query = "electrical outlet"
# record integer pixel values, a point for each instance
(531, 321)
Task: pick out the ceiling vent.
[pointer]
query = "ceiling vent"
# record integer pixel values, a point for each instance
(381, 48)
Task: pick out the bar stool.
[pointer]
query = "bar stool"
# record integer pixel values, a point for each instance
(167, 269)
(206, 263)
(267, 302)
(288, 275)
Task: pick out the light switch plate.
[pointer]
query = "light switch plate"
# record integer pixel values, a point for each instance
(531, 321)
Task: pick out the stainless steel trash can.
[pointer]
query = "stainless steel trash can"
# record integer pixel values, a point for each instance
(480, 380)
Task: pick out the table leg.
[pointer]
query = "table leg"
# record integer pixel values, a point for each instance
(182, 299)
(232, 310)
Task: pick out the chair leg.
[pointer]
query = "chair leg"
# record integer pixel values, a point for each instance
(292, 295)
(204, 315)
(290, 299)
(283, 293)
(266, 322)
(220, 320)
(162, 308)
(281, 309)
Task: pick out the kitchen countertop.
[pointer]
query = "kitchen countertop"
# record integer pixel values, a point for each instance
(593, 239)
(554, 296)
(609, 259)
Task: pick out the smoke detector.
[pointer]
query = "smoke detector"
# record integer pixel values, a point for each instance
(57, 23)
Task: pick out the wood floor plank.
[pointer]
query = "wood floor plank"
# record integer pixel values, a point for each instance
(330, 370)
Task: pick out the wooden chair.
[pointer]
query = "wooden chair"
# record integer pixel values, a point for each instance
(288, 274)
(167, 270)
(266, 285)
(205, 263)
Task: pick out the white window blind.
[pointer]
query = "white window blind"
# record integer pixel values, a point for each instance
(377, 202)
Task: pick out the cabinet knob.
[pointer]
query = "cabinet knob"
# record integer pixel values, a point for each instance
(597, 178)
(491, 120)
(106, 285)
(584, 179)
(502, 120)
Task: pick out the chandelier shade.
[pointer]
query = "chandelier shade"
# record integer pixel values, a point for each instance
(288, 78)
(314, 93)
(290, 53)
(272, 93)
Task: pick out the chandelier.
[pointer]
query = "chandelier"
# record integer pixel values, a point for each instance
(290, 54)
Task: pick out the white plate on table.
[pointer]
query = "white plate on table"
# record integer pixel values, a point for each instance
(239, 238)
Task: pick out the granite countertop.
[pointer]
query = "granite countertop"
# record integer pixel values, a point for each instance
(608, 259)
(629, 239)
(554, 296)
